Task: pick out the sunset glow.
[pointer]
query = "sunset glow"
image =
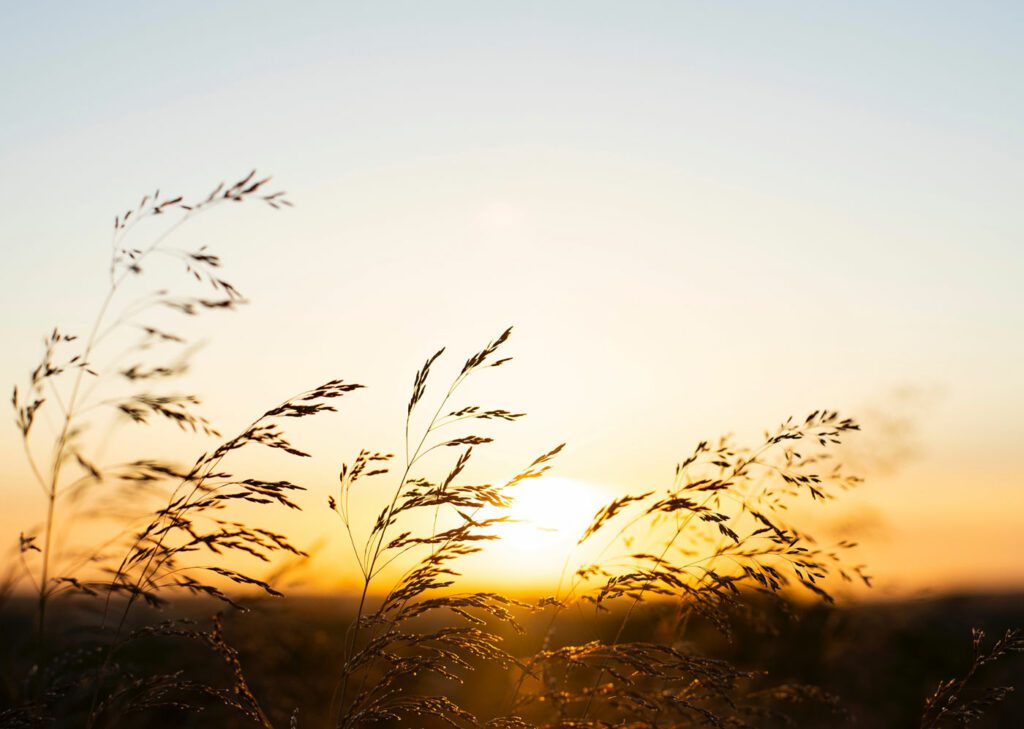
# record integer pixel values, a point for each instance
(513, 365)
(548, 516)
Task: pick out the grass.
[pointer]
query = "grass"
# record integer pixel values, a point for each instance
(711, 550)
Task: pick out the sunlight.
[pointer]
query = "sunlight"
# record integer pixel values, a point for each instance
(549, 514)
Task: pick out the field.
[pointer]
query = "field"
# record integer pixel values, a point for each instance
(878, 662)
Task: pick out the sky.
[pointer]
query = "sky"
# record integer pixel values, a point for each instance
(700, 217)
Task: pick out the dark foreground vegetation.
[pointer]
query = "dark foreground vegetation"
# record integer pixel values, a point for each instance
(878, 662)
(676, 608)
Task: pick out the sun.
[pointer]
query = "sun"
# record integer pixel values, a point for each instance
(548, 516)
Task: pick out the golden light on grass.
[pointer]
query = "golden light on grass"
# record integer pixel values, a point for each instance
(710, 542)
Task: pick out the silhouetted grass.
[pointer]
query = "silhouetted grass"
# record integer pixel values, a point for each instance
(708, 553)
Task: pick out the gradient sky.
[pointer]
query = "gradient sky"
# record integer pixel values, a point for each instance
(701, 218)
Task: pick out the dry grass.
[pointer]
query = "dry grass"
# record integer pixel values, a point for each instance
(692, 549)
(955, 702)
